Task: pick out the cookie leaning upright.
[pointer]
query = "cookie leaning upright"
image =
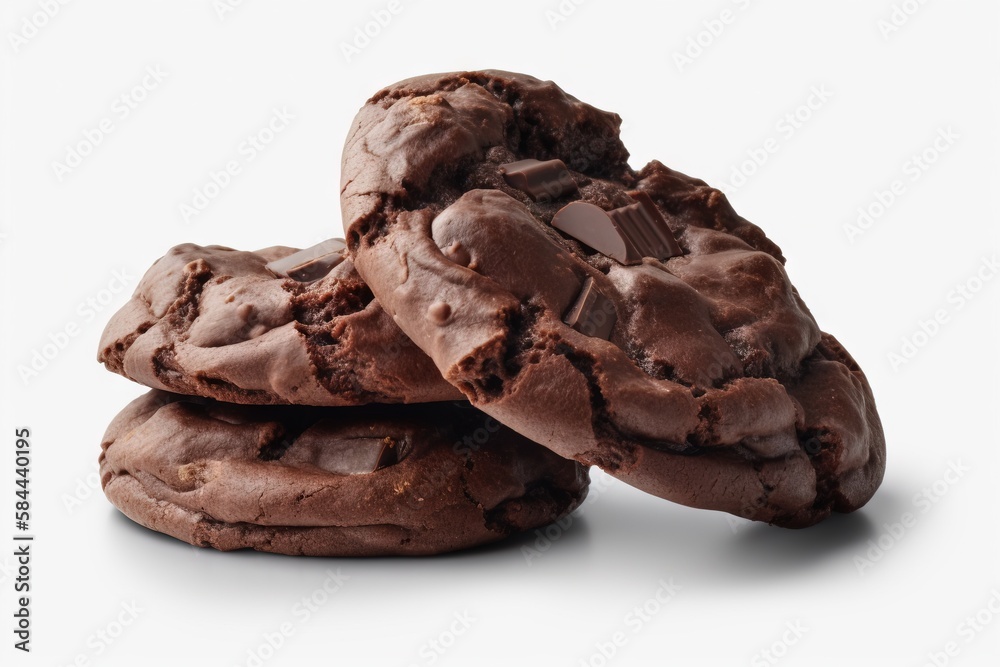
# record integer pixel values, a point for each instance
(627, 319)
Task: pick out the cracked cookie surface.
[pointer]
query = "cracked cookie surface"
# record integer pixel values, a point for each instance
(215, 322)
(700, 377)
(302, 480)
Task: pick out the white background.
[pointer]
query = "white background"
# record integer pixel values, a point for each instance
(738, 586)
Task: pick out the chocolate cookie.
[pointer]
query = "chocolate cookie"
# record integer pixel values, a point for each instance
(274, 326)
(330, 481)
(628, 319)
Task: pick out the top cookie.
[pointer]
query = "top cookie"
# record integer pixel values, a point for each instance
(679, 358)
(217, 323)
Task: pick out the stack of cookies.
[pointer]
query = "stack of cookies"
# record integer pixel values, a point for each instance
(513, 304)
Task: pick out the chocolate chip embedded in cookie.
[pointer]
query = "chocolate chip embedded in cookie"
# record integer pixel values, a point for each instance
(378, 480)
(629, 319)
(278, 325)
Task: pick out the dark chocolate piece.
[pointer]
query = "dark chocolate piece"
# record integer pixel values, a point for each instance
(542, 181)
(357, 456)
(592, 226)
(310, 264)
(593, 314)
(646, 228)
(625, 234)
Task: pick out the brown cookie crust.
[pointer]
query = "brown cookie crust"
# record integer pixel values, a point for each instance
(214, 322)
(294, 479)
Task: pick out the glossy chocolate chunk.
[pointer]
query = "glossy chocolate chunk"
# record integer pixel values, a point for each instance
(310, 264)
(593, 314)
(625, 234)
(542, 181)
(593, 226)
(351, 456)
(642, 223)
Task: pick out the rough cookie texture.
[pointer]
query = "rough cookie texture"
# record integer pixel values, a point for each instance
(214, 322)
(299, 480)
(714, 388)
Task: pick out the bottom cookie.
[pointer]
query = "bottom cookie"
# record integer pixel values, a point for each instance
(378, 480)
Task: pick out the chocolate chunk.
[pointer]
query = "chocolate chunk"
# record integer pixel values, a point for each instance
(542, 181)
(626, 234)
(357, 456)
(593, 226)
(646, 228)
(310, 264)
(593, 314)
